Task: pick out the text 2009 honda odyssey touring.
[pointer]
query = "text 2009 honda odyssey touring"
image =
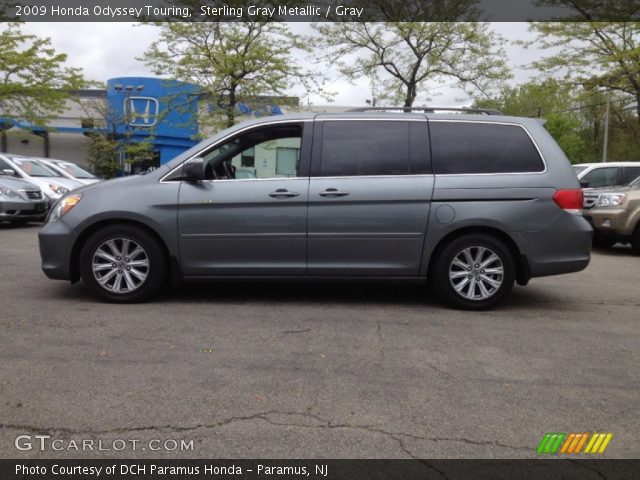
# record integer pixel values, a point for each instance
(471, 202)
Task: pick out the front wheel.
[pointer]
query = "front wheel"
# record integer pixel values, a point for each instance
(123, 263)
(473, 272)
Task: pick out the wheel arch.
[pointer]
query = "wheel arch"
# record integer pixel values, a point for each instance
(74, 258)
(523, 274)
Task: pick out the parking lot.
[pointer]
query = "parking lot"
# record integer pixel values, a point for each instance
(325, 371)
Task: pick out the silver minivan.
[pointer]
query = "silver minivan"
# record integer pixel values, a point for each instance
(470, 203)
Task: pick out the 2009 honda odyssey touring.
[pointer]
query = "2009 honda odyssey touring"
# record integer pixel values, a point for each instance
(470, 202)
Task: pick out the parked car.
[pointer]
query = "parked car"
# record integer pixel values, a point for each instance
(52, 183)
(609, 174)
(70, 170)
(20, 201)
(614, 214)
(471, 202)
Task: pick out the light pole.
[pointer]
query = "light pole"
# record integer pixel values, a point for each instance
(605, 145)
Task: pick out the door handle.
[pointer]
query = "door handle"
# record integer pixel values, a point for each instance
(333, 192)
(283, 193)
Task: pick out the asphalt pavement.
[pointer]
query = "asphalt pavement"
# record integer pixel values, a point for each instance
(297, 370)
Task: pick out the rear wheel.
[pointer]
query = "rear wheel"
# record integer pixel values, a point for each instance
(123, 264)
(473, 272)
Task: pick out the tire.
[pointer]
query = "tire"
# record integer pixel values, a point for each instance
(112, 280)
(451, 265)
(635, 241)
(603, 242)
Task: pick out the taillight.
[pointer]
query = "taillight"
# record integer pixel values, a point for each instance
(569, 200)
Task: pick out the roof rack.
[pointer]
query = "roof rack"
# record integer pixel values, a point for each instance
(485, 111)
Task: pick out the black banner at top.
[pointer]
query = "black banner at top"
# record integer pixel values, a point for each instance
(319, 10)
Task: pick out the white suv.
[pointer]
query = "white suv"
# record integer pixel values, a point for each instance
(598, 175)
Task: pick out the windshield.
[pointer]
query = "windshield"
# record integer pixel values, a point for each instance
(34, 168)
(579, 169)
(74, 170)
(635, 183)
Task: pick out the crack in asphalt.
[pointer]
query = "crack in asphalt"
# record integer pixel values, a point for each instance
(398, 437)
(380, 344)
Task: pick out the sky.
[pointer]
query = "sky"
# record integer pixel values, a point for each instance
(107, 50)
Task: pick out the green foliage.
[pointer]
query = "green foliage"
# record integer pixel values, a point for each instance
(568, 132)
(592, 54)
(232, 62)
(103, 156)
(405, 56)
(34, 84)
(105, 151)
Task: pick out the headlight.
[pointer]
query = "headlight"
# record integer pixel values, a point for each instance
(63, 206)
(58, 189)
(8, 192)
(610, 199)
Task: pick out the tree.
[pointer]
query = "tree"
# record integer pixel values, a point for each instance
(233, 61)
(109, 148)
(594, 53)
(34, 83)
(407, 55)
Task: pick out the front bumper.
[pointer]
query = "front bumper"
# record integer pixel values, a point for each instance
(23, 210)
(613, 222)
(56, 243)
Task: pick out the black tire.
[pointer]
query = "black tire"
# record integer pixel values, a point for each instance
(443, 265)
(154, 271)
(635, 241)
(603, 242)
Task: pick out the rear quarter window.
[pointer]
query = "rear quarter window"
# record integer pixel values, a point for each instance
(467, 148)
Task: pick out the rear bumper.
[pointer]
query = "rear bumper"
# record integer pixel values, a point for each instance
(564, 247)
(56, 244)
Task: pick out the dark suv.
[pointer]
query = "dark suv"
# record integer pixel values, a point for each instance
(471, 202)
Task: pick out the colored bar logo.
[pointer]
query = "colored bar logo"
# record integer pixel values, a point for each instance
(573, 443)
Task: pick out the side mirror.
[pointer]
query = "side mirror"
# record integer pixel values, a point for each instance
(9, 171)
(584, 183)
(193, 169)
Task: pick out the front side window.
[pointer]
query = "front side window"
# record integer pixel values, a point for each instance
(601, 177)
(361, 148)
(269, 152)
(468, 148)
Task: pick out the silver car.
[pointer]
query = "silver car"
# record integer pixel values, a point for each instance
(469, 202)
(20, 201)
(52, 183)
(70, 170)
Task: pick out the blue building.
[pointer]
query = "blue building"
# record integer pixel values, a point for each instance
(164, 113)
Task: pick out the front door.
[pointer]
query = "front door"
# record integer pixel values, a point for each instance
(248, 217)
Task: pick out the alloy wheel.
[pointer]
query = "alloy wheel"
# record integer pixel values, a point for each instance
(120, 265)
(476, 273)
